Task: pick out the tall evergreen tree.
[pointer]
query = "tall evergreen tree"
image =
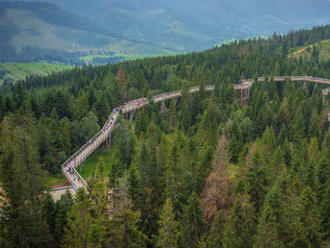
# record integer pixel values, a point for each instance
(305, 229)
(168, 233)
(215, 238)
(123, 229)
(193, 226)
(269, 227)
(63, 208)
(240, 226)
(77, 234)
(22, 183)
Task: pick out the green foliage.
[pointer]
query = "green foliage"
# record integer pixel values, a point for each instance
(168, 227)
(270, 190)
(240, 227)
(124, 230)
(79, 232)
(19, 71)
(215, 238)
(270, 220)
(22, 223)
(193, 224)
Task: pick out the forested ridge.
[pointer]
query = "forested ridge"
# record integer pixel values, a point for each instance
(206, 173)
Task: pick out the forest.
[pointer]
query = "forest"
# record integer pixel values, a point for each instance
(207, 173)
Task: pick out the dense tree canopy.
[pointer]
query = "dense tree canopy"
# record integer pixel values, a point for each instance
(204, 173)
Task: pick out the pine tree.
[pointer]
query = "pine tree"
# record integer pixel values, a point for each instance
(305, 229)
(173, 114)
(19, 95)
(298, 127)
(269, 227)
(123, 229)
(49, 212)
(256, 181)
(314, 124)
(82, 106)
(122, 82)
(215, 238)
(99, 205)
(63, 207)
(168, 233)
(134, 182)
(240, 226)
(173, 177)
(193, 226)
(22, 183)
(102, 109)
(77, 234)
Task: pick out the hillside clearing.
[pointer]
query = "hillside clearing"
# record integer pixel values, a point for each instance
(11, 72)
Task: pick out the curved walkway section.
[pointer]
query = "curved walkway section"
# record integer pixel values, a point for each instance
(298, 78)
(70, 165)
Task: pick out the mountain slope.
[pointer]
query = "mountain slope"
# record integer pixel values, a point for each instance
(10, 72)
(144, 26)
(196, 24)
(32, 31)
(320, 50)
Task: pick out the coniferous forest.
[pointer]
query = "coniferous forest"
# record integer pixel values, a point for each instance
(206, 173)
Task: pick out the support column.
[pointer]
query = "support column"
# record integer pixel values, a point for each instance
(244, 93)
(108, 143)
(242, 96)
(162, 107)
(314, 89)
(305, 86)
(176, 100)
(131, 115)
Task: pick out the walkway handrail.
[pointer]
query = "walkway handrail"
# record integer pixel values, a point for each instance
(297, 78)
(80, 177)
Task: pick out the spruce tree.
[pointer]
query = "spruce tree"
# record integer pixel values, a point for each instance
(22, 184)
(269, 227)
(305, 229)
(240, 226)
(123, 229)
(215, 238)
(193, 226)
(63, 207)
(77, 233)
(168, 233)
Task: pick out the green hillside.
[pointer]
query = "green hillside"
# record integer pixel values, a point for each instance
(35, 31)
(10, 72)
(306, 52)
(69, 29)
(190, 25)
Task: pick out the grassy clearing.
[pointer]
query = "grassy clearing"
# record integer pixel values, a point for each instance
(90, 164)
(18, 71)
(88, 167)
(125, 56)
(306, 51)
(54, 180)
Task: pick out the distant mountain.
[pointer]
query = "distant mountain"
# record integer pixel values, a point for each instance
(41, 31)
(149, 26)
(198, 24)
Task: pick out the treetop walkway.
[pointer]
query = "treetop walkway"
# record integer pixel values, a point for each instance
(70, 165)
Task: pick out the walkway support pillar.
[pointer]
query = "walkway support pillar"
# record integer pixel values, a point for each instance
(243, 91)
(108, 143)
(162, 107)
(131, 115)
